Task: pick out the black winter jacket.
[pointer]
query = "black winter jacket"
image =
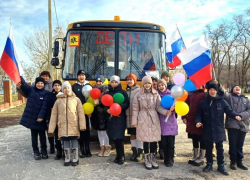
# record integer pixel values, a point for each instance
(36, 107)
(117, 124)
(211, 114)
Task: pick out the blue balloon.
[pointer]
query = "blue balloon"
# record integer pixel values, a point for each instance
(189, 85)
(167, 101)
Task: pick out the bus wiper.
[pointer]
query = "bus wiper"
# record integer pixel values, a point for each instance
(132, 63)
(96, 68)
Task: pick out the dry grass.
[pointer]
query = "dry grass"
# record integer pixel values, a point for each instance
(14, 98)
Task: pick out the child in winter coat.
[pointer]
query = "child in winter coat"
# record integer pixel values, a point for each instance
(57, 86)
(35, 113)
(210, 116)
(100, 119)
(194, 133)
(146, 103)
(68, 114)
(169, 129)
(84, 135)
(117, 124)
(132, 90)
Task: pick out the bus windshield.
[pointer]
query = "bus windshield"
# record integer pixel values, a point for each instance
(97, 52)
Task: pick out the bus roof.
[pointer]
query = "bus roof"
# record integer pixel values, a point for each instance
(116, 24)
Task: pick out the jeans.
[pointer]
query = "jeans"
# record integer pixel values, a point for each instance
(236, 141)
(220, 152)
(34, 139)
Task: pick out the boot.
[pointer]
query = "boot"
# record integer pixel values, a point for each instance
(213, 152)
(67, 156)
(44, 153)
(37, 155)
(161, 154)
(75, 160)
(222, 169)
(88, 153)
(107, 151)
(208, 167)
(52, 145)
(101, 150)
(121, 156)
(58, 155)
(233, 165)
(191, 161)
(169, 160)
(200, 161)
(82, 150)
(153, 161)
(134, 155)
(139, 154)
(241, 165)
(147, 159)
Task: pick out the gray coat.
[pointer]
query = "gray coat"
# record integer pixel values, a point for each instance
(241, 105)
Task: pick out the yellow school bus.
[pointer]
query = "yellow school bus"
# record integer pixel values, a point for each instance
(112, 47)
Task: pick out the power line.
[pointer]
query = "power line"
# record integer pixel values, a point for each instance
(56, 13)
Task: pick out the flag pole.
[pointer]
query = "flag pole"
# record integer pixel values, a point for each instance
(180, 35)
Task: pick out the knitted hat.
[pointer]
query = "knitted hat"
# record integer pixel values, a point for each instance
(115, 78)
(45, 73)
(133, 76)
(165, 73)
(80, 72)
(154, 78)
(39, 79)
(66, 84)
(212, 85)
(233, 88)
(57, 82)
(99, 78)
(146, 79)
(163, 82)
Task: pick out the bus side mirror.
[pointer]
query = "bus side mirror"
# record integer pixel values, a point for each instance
(56, 49)
(55, 62)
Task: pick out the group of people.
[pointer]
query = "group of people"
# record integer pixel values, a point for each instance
(56, 107)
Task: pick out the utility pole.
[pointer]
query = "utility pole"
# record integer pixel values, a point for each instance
(50, 38)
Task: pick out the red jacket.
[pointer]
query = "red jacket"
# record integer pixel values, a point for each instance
(193, 101)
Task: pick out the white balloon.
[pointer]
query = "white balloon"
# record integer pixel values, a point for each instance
(177, 91)
(86, 90)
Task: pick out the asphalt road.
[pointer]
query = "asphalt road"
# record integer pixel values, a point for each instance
(17, 162)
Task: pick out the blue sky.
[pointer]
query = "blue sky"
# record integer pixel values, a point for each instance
(191, 16)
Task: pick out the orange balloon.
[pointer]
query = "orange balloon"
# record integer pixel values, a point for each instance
(183, 97)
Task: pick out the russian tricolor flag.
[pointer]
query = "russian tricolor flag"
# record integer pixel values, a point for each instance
(9, 60)
(197, 63)
(177, 45)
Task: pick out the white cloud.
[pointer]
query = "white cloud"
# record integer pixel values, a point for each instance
(191, 16)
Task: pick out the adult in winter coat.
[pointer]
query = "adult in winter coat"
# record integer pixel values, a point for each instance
(117, 124)
(132, 90)
(34, 114)
(194, 133)
(84, 135)
(146, 104)
(167, 77)
(68, 114)
(169, 129)
(210, 115)
(237, 130)
(57, 85)
(99, 119)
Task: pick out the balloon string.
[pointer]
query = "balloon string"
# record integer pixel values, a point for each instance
(89, 123)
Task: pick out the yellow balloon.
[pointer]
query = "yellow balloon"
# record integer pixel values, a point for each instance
(106, 81)
(88, 108)
(91, 100)
(181, 108)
